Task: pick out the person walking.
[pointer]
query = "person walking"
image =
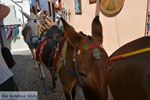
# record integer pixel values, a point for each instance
(6, 76)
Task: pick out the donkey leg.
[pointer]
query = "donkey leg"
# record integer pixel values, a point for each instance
(74, 93)
(34, 57)
(68, 94)
(32, 51)
(70, 91)
(33, 54)
(54, 78)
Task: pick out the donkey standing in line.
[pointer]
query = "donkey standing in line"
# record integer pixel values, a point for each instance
(90, 67)
(33, 29)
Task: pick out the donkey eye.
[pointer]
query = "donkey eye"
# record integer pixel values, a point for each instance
(96, 53)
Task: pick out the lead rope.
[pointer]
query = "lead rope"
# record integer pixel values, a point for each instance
(79, 78)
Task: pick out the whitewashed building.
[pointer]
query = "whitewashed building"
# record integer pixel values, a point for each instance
(127, 25)
(15, 17)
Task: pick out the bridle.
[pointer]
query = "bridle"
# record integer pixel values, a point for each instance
(79, 52)
(86, 48)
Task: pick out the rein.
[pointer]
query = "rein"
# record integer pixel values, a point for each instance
(129, 54)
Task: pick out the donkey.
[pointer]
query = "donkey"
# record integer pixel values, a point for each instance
(45, 51)
(129, 78)
(87, 64)
(84, 64)
(34, 29)
(30, 30)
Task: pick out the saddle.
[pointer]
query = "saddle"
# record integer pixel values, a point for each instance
(49, 52)
(40, 48)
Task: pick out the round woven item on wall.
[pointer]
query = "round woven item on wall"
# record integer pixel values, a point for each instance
(111, 7)
(4, 11)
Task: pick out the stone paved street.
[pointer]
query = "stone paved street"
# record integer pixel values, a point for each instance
(27, 78)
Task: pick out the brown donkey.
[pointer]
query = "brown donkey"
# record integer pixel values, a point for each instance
(130, 77)
(86, 64)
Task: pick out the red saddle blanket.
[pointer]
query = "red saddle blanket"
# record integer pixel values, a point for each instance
(40, 48)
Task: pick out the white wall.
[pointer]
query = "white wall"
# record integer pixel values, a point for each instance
(129, 24)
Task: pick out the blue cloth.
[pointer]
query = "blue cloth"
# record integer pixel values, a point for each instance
(57, 18)
(34, 41)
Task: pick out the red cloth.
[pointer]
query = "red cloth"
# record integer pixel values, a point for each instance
(40, 48)
(10, 33)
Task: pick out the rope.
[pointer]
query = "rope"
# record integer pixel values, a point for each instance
(79, 78)
(129, 54)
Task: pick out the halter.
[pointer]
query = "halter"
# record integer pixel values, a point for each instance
(80, 51)
(86, 48)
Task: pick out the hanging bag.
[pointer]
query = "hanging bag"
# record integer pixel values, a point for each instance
(7, 54)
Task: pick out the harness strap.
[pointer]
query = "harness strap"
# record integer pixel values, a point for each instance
(78, 75)
(69, 71)
(59, 51)
(129, 54)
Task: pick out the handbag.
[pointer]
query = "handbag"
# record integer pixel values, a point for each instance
(7, 54)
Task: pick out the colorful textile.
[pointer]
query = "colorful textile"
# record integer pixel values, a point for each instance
(40, 48)
(10, 32)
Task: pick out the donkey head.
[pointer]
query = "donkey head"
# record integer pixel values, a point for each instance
(33, 23)
(91, 59)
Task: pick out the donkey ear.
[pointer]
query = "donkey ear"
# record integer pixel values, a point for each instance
(72, 35)
(25, 14)
(39, 14)
(97, 30)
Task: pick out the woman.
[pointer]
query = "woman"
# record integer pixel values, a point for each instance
(6, 76)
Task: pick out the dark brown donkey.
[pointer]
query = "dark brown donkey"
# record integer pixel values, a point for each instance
(130, 77)
(90, 63)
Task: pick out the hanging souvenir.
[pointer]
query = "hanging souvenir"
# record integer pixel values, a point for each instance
(111, 7)
(78, 7)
